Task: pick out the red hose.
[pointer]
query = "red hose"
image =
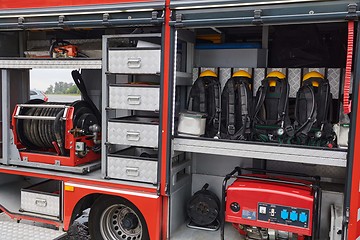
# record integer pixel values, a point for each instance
(350, 48)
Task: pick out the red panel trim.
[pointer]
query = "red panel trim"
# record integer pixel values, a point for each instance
(165, 100)
(11, 4)
(165, 122)
(354, 225)
(165, 218)
(149, 207)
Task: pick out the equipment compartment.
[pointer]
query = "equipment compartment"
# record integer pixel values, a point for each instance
(134, 61)
(134, 97)
(134, 131)
(135, 164)
(42, 198)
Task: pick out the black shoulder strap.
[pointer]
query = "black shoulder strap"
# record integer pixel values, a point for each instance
(260, 98)
(230, 121)
(243, 91)
(305, 128)
(324, 99)
(283, 101)
(202, 93)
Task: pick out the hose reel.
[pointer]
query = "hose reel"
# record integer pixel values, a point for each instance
(203, 209)
(69, 130)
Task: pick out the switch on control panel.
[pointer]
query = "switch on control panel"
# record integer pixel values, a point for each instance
(284, 215)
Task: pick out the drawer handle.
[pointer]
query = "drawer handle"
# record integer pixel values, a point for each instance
(134, 62)
(40, 202)
(133, 136)
(134, 100)
(132, 171)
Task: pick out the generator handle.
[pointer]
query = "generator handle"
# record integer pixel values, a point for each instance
(317, 178)
(275, 181)
(223, 196)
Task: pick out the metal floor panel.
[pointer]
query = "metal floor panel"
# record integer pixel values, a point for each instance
(11, 230)
(185, 233)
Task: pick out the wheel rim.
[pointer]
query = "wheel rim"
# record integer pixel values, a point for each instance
(112, 223)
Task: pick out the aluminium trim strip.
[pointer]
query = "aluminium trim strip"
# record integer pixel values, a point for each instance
(111, 190)
(215, 4)
(80, 10)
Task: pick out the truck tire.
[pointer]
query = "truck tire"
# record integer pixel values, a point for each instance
(115, 218)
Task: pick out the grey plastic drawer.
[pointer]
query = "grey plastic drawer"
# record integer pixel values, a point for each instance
(42, 198)
(131, 165)
(134, 97)
(146, 61)
(134, 131)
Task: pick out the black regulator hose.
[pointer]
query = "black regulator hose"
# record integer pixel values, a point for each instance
(76, 75)
(59, 131)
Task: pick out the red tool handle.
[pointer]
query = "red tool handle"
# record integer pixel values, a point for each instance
(350, 49)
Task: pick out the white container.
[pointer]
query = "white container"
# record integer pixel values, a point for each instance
(342, 133)
(192, 124)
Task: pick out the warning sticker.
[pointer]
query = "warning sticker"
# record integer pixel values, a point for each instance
(250, 215)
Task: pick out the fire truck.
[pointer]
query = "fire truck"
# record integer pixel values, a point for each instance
(130, 151)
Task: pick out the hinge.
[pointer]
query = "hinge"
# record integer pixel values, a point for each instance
(105, 20)
(352, 14)
(21, 21)
(61, 22)
(154, 17)
(257, 17)
(347, 215)
(178, 20)
(178, 17)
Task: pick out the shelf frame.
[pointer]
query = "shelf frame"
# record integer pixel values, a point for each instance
(326, 157)
(23, 63)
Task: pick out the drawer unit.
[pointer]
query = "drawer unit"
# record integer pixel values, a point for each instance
(42, 198)
(134, 164)
(134, 131)
(134, 61)
(134, 97)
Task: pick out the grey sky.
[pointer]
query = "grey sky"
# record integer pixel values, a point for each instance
(41, 79)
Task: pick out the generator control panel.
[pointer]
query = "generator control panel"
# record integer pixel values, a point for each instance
(286, 215)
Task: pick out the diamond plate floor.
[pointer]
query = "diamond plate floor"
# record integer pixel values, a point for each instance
(185, 233)
(11, 230)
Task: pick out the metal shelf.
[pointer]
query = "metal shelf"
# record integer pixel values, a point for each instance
(328, 157)
(50, 63)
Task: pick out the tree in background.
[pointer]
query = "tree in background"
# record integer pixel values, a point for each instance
(62, 88)
(50, 90)
(73, 90)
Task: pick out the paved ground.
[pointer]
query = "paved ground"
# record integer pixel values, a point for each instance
(63, 98)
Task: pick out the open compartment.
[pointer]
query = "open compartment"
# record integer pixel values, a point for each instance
(259, 50)
(34, 197)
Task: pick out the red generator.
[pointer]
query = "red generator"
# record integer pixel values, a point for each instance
(263, 206)
(62, 134)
